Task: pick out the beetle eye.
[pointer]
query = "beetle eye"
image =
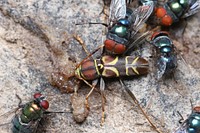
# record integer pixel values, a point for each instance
(37, 95)
(44, 104)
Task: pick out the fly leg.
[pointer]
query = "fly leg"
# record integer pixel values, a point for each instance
(134, 43)
(20, 105)
(181, 119)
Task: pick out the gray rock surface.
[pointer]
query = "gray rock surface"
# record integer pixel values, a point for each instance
(36, 37)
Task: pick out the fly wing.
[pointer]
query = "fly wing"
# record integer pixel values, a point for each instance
(136, 42)
(117, 10)
(7, 117)
(140, 16)
(193, 9)
(34, 125)
(161, 67)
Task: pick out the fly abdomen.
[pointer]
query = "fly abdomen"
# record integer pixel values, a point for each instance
(31, 112)
(19, 127)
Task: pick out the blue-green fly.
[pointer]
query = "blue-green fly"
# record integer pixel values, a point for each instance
(192, 123)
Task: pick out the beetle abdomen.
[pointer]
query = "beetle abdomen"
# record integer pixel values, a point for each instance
(89, 70)
(124, 66)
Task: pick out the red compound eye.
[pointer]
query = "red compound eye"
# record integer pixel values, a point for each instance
(160, 33)
(37, 95)
(109, 44)
(160, 12)
(154, 35)
(166, 20)
(44, 104)
(119, 49)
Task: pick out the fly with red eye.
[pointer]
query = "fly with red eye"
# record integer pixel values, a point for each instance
(31, 113)
(167, 59)
(173, 10)
(124, 23)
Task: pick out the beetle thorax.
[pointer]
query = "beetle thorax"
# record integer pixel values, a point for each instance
(77, 72)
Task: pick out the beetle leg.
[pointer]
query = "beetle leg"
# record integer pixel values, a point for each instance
(102, 87)
(78, 38)
(94, 83)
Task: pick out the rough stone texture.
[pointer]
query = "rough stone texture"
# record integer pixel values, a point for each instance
(36, 38)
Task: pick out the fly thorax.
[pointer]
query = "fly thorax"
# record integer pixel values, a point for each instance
(30, 112)
(177, 8)
(120, 31)
(162, 41)
(170, 12)
(124, 22)
(166, 49)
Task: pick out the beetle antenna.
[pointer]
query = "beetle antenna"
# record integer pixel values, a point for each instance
(77, 38)
(137, 103)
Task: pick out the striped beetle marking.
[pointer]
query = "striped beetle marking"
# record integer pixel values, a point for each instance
(110, 66)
